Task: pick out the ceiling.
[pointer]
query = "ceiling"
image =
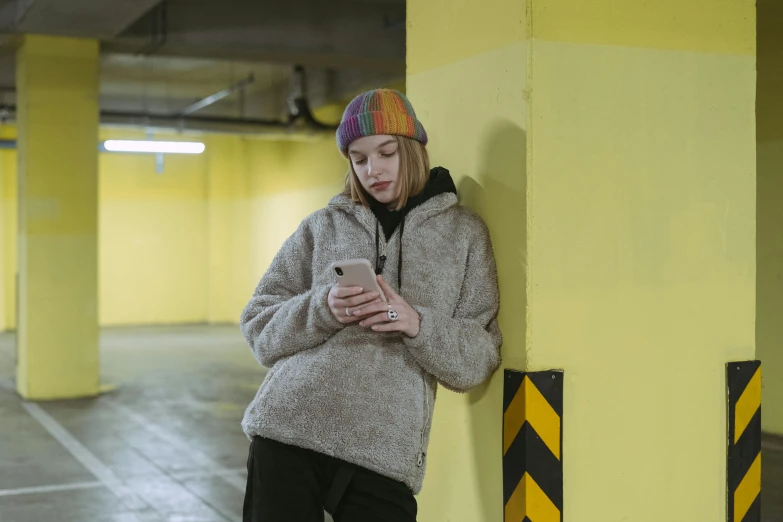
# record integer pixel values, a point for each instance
(160, 56)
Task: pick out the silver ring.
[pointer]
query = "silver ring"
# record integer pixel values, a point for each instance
(392, 314)
(347, 312)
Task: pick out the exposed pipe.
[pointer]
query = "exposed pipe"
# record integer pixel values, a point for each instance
(191, 122)
(298, 106)
(298, 111)
(213, 98)
(300, 119)
(214, 124)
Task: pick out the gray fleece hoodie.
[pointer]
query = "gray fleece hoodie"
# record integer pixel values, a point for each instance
(358, 395)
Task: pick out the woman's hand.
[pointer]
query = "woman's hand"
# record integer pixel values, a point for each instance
(376, 315)
(343, 301)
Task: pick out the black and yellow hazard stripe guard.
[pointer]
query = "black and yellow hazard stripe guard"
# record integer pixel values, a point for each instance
(532, 442)
(744, 453)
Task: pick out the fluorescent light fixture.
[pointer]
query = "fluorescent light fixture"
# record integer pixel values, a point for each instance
(166, 147)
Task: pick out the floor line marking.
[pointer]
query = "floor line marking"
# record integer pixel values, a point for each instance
(32, 490)
(228, 516)
(74, 486)
(86, 457)
(198, 457)
(53, 488)
(187, 475)
(175, 479)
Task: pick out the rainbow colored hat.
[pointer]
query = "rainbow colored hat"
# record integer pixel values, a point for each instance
(381, 111)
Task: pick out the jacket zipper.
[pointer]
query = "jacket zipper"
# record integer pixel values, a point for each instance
(351, 208)
(382, 259)
(422, 454)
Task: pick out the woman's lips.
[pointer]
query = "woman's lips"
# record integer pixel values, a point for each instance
(381, 186)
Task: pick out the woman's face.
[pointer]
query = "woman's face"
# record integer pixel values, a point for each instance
(376, 161)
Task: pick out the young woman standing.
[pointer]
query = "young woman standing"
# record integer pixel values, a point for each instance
(342, 420)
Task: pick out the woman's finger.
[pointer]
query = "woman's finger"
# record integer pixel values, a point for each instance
(340, 315)
(387, 290)
(396, 326)
(359, 300)
(346, 292)
(372, 308)
(361, 313)
(354, 305)
(375, 319)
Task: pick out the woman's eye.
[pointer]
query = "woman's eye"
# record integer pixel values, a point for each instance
(360, 162)
(389, 155)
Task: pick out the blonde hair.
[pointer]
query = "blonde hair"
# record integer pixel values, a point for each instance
(413, 176)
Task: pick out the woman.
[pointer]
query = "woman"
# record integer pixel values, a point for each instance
(342, 419)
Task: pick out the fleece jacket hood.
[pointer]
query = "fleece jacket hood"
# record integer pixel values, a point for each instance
(440, 182)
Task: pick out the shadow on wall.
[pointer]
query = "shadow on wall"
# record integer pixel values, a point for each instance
(769, 212)
(498, 194)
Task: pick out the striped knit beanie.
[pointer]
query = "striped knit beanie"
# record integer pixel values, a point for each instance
(377, 112)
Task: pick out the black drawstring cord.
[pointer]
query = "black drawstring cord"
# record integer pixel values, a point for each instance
(399, 263)
(380, 262)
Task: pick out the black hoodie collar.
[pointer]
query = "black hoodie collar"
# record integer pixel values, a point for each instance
(440, 182)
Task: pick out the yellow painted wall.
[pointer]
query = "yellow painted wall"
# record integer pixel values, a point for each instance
(301, 178)
(228, 207)
(153, 241)
(206, 229)
(188, 245)
(611, 149)
(260, 191)
(769, 111)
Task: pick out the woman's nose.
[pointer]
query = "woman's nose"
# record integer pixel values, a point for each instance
(371, 168)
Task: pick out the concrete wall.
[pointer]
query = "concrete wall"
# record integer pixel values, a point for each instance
(769, 114)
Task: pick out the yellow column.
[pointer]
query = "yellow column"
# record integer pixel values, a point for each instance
(467, 79)
(610, 147)
(7, 234)
(4, 290)
(57, 85)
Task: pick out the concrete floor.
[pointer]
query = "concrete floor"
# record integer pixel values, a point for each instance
(166, 445)
(772, 479)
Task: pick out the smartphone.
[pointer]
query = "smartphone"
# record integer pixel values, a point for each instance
(357, 272)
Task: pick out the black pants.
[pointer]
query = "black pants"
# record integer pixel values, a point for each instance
(290, 484)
